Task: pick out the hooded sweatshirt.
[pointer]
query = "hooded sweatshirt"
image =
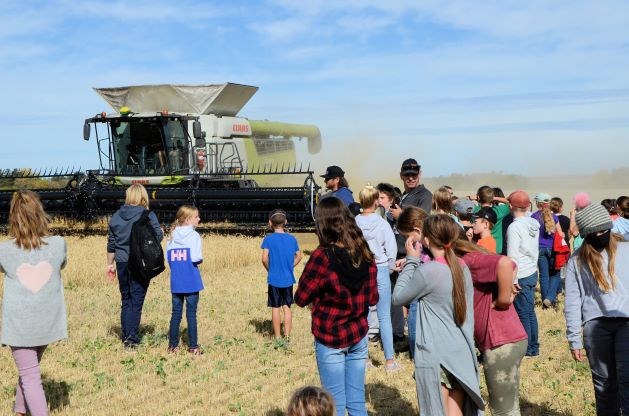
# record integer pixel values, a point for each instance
(184, 254)
(380, 238)
(119, 237)
(621, 226)
(343, 193)
(523, 244)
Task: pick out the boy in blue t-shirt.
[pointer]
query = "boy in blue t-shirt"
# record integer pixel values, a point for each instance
(280, 255)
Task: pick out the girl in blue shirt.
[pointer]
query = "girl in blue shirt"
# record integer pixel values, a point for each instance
(184, 254)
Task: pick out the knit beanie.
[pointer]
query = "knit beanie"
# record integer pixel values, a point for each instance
(593, 219)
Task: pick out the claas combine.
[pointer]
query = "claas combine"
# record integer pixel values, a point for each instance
(186, 145)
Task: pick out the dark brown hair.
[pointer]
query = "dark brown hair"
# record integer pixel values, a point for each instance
(610, 205)
(391, 191)
(556, 204)
(498, 192)
(335, 225)
(442, 232)
(623, 206)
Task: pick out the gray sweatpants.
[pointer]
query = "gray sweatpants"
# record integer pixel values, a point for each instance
(502, 375)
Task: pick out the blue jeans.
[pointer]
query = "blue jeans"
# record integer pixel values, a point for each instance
(411, 321)
(132, 291)
(192, 300)
(383, 309)
(524, 303)
(549, 278)
(607, 344)
(342, 374)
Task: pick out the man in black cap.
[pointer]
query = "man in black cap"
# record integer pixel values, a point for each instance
(415, 193)
(335, 182)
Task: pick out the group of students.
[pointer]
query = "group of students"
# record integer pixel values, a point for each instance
(461, 296)
(464, 294)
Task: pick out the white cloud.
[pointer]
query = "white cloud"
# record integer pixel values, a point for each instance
(395, 70)
(282, 30)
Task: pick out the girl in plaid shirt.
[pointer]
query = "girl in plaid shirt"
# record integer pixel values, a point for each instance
(339, 283)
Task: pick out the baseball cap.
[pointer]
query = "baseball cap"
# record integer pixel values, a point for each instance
(487, 213)
(333, 172)
(542, 197)
(410, 166)
(464, 206)
(519, 199)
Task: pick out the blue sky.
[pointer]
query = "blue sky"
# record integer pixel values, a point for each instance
(461, 86)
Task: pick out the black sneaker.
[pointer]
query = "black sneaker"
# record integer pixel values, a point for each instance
(374, 338)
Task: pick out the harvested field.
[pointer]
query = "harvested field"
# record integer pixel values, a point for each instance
(243, 371)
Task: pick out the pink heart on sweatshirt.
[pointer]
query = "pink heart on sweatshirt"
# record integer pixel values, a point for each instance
(34, 277)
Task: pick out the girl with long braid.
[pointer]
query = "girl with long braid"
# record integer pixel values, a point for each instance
(446, 373)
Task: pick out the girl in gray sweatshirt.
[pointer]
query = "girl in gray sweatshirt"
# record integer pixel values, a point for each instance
(597, 305)
(33, 308)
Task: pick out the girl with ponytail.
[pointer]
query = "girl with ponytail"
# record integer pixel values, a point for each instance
(446, 374)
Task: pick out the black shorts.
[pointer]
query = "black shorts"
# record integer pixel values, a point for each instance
(280, 296)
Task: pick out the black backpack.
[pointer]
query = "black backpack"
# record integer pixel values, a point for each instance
(146, 257)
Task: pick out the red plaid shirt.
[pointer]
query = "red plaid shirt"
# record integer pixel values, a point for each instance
(339, 318)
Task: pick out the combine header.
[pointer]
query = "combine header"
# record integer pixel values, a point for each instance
(186, 145)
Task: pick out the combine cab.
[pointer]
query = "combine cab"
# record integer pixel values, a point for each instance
(186, 145)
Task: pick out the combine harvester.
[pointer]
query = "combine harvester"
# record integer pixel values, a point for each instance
(186, 144)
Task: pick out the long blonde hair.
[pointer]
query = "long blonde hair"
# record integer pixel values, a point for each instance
(442, 232)
(28, 222)
(183, 213)
(136, 195)
(547, 217)
(594, 260)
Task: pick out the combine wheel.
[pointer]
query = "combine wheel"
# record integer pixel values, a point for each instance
(311, 194)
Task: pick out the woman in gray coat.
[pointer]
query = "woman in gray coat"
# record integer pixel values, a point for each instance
(446, 373)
